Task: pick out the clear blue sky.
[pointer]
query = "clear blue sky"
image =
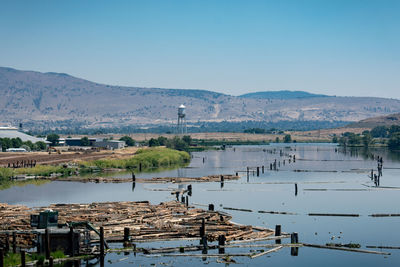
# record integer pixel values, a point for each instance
(324, 46)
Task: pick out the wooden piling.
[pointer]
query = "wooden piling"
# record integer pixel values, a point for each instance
(278, 228)
(126, 234)
(23, 262)
(295, 189)
(222, 178)
(14, 242)
(278, 232)
(7, 245)
(211, 207)
(177, 195)
(189, 188)
(47, 243)
(203, 228)
(1, 258)
(258, 171)
(71, 238)
(294, 238)
(221, 242)
(187, 201)
(133, 177)
(101, 240)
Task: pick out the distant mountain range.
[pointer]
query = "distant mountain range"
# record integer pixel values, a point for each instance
(388, 120)
(281, 95)
(60, 100)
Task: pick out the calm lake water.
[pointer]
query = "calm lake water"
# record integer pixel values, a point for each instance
(329, 179)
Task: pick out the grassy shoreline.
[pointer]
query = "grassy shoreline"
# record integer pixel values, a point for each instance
(151, 158)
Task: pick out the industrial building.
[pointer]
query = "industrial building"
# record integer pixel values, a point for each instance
(110, 144)
(12, 132)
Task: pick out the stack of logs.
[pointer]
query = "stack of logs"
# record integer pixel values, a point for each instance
(146, 222)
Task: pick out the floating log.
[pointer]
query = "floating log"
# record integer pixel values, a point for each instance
(335, 214)
(228, 208)
(346, 249)
(266, 252)
(385, 215)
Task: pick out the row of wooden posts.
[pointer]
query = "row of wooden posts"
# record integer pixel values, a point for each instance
(22, 164)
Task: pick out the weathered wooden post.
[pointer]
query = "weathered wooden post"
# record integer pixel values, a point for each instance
(262, 168)
(183, 199)
(295, 189)
(187, 201)
(7, 245)
(14, 242)
(211, 207)
(237, 174)
(203, 228)
(248, 171)
(177, 195)
(47, 243)
(189, 188)
(23, 262)
(126, 234)
(203, 159)
(133, 177)
(222, 178)
(294, 239)
(221, 242)
(1, 257)
(278, 233)
(71, 241)
(101, 241)
(258, 171)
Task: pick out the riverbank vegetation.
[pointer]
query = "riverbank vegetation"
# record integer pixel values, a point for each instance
(146, 158)
(378, 136)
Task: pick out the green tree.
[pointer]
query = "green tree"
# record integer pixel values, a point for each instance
(287, 138)
(5, 143)
(335, 139)
(367, 139)
(53, 138)
(29, 144)
(128, 140)
(85, 141)
(162, 140)
(394, 129)
(379, 131)
(153, 142)
(40, 145)
(16, 142)
(187, 139)
(177, 143)
(394, 141)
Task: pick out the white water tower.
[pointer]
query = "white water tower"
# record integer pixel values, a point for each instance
(181, 127)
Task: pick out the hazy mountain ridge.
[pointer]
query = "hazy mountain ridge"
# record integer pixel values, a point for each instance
(388, 120)
(284, 94)
(56, 98)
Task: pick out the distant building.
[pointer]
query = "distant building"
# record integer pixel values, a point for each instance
(16, 149)
(110, 144)
(11, 132)
(78, 141)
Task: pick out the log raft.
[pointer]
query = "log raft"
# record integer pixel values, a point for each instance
(146, 222)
